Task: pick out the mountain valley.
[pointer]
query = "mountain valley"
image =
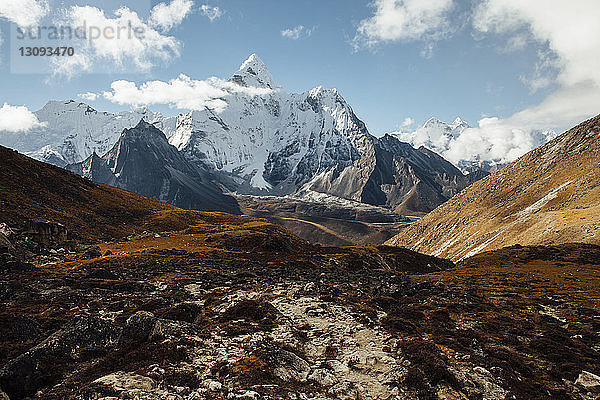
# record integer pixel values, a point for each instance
(264, 142)
(265, 245)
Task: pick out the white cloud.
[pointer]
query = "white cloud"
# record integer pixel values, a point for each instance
(568, 37)
(124, 42)
(408, 121)
(544, 73)
(504, 140)
(24, 12)
(181, 92)
(88, 96)
(297, 32)
(569, 28)
(17, 119)
(166, 16)
(495, 140)
(211, 12)
(404, 20)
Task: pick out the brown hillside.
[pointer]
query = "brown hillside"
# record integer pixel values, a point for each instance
(549, 196)
(32, 190)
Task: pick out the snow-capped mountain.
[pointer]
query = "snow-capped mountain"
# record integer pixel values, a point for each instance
(471, 150)
(434, 135)
(142, 161)
(272, 143)
(263, 141)
(277, 143)
(72, 131)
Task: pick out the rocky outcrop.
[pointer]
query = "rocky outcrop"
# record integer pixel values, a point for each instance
(35, 367)
(46, 233)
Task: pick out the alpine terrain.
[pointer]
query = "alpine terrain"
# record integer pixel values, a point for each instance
(105, 294)
(262, 141)
(278, 143)
(549, 196)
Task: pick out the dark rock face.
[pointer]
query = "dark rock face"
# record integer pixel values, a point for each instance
(395, 175)
(143, 161)
(46, 233)
(96, 169)
(34, 368)
(11, 258)
(138, 328)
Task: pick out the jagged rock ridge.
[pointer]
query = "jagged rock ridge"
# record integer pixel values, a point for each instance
(142, 161)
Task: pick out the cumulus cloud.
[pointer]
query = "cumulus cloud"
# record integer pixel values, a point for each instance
(569, 28)
(568, 37)
(404, 20)
(408, 121)
(88, 96)
(123, 41)
(166, 16)
(17, 119)
(495, 140)
(211, 12)
(181, 92)
(24, 12)
(297, 32)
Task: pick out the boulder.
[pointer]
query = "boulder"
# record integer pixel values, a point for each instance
(46, 232)
(588, 380)
(26, 374)
(91, 252)
(344, 391)
(286, 365)
(125, 381)
(138, 328)
(323, 377)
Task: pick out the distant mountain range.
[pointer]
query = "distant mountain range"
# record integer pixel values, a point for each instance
(269, 144)
(448, 140)
(72, 131)
(549, 196)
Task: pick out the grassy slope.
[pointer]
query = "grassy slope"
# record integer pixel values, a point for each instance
(549, 196)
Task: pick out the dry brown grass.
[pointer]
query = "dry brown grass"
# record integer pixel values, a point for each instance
(549, 196)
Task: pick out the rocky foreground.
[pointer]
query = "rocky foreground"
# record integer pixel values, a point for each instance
(248, 313)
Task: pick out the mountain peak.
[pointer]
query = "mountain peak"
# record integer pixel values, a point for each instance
(458, 122)
(433, 121)
(254, 72)
(142, 124)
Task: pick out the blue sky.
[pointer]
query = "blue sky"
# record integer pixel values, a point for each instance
(463, 76)
(459, 62)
